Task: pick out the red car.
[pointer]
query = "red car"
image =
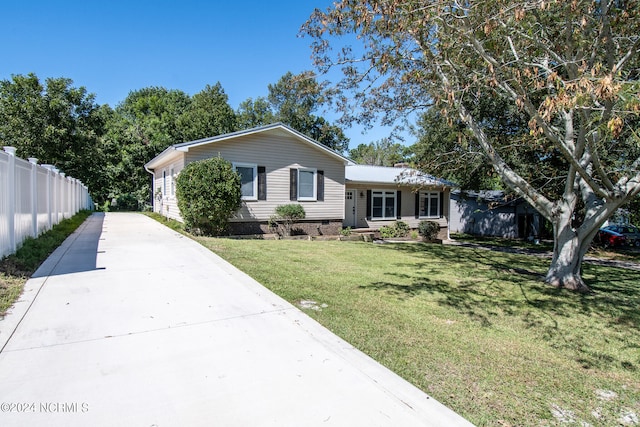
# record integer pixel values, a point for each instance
(629, 231)
(609, 238)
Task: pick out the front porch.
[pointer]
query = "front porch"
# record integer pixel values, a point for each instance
(369, 209)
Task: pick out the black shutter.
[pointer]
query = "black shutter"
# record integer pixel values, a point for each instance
(398, 204)
(441, 204)
(369, 214)
(417, 206)
(293, 184)
(320, 186)
(262, 183)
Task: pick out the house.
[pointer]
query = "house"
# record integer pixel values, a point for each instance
(493, 213)
(377, 195)
(279, 165)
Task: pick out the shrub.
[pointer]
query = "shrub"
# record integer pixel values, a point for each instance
(387, 232)
(287, 215)
(208, 193)
(429, 229)
(402, 228)
(398, 229)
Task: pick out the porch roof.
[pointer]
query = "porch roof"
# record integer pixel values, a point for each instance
(392, 175)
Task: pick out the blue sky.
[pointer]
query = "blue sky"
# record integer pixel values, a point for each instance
(113, 47)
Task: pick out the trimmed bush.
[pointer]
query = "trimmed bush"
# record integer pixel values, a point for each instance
(429, 229)
(208, 193)
(287, 215)
(397, 229)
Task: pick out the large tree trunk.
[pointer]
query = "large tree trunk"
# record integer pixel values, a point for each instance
(569, 249)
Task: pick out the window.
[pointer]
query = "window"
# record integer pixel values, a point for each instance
(306, 184)
(383, 204)
(430, 204)
(173, 182)
(164, 182)
(248, 180)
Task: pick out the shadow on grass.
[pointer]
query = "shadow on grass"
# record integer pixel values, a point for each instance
(490, 287)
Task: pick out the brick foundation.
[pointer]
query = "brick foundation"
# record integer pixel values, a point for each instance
(310, 228)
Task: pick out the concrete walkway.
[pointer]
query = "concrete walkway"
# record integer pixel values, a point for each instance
(131, 324)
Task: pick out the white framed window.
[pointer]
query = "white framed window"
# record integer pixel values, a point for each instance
(307, 185)
(429, 204)
(248, 180)
(383, 204)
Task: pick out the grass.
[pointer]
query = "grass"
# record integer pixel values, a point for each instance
(475, 329)
(625, 253)
(16, 269)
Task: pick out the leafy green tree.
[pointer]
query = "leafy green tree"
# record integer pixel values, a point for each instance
(255, 112)
(208, 193)
(208, 114)
(378, 153)
(55, 122)
(569, 67)
(445, 147)
(141, 127)
(293, 100)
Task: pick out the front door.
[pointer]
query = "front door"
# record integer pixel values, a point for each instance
(350, 208)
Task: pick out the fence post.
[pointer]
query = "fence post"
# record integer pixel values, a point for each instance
(34, 196)
(49, 169)
(11, 184)
(56, 194)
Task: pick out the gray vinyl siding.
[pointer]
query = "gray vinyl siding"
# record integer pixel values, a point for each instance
(278, 153)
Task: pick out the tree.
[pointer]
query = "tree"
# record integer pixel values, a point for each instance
(208, 193)
(208, 114)
(57, 123)
(378, 153)
(141, 127)
(253, 113)
(570, 66)
(446, 148)
(293, 101)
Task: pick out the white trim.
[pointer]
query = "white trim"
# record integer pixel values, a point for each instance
(255, 178)
(384, 197)
(427, 206)
(314, 182)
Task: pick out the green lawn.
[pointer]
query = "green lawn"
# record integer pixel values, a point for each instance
(475, 329)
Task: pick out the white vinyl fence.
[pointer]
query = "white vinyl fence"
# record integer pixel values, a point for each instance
(33, 198)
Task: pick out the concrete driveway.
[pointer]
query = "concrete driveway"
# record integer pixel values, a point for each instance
(131, 324)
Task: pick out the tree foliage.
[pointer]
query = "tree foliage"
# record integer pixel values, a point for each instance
(151, 119)
(139, 128)
(55, 122)
(208, 193)
(378, 153)
(446, 148)
(570, 67)
(209, 114)
(293, 100)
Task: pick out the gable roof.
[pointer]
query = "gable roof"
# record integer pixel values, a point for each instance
(392, 175)
(174, 150)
